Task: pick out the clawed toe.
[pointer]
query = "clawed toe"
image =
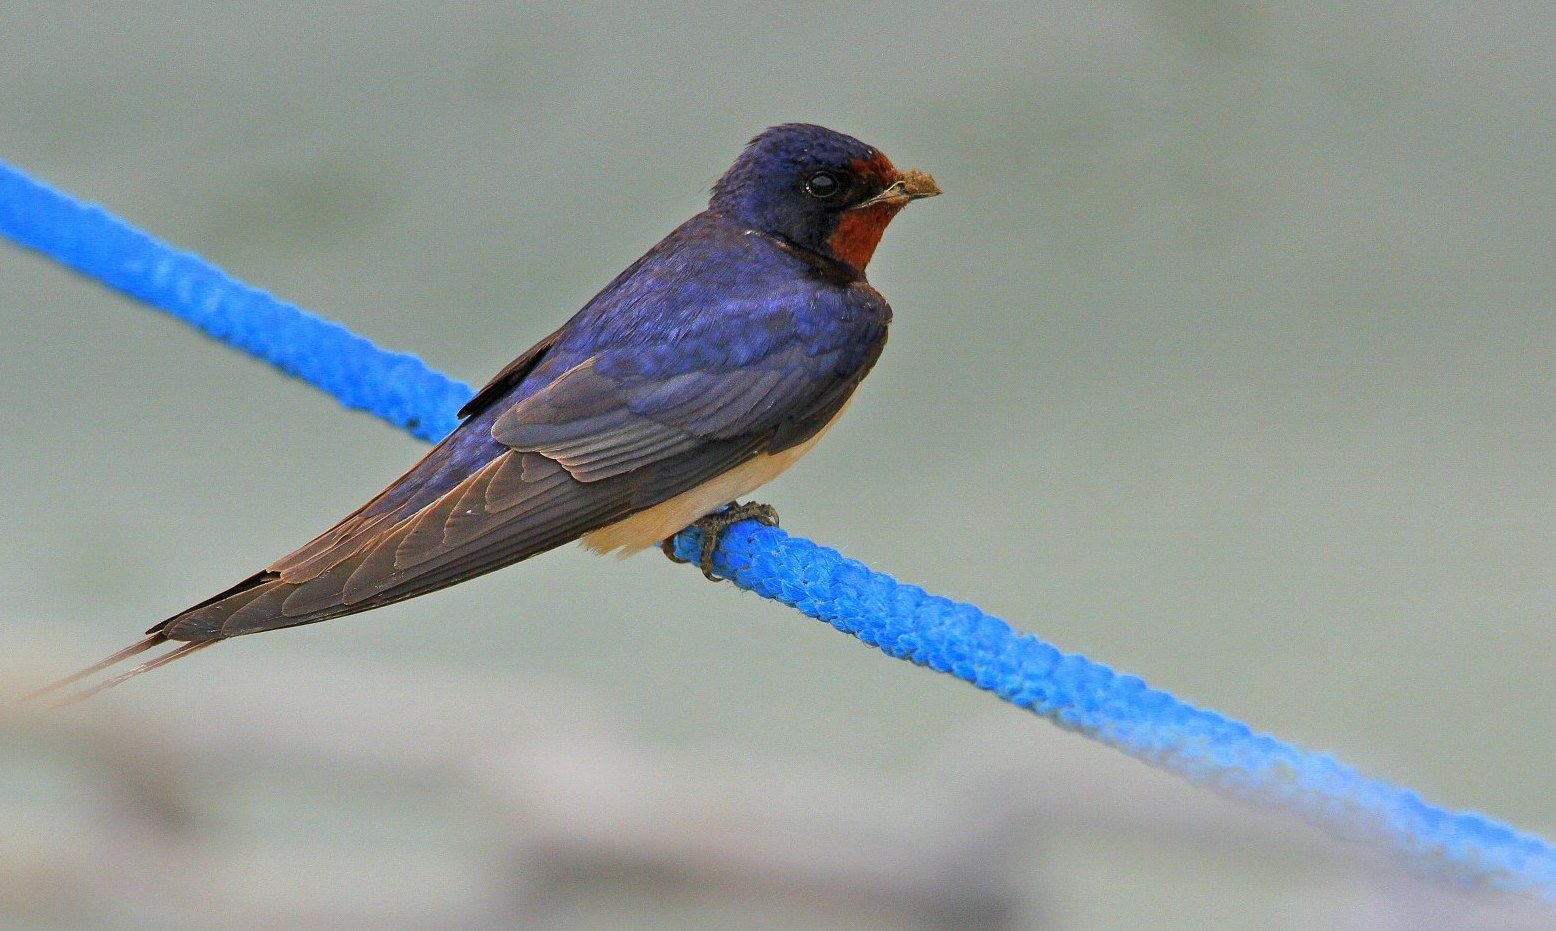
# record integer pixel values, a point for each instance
(667, 546)
(713, 527)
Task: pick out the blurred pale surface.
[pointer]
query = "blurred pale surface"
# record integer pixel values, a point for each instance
(1227, 360)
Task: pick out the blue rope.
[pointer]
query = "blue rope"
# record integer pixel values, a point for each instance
(900, 620)
(396, 386)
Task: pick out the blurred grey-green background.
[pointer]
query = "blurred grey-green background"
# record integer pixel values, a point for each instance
(1229, 359)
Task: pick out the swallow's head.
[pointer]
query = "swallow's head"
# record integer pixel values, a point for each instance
(818, 189)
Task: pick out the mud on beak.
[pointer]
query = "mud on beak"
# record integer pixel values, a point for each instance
(910, 185)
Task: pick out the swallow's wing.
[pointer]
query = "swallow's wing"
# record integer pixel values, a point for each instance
(428, 479)
(511, 375)
(611, 436)
(600, 420)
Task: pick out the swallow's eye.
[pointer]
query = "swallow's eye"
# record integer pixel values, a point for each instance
(823, 185)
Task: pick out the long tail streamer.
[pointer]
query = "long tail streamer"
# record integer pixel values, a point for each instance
(904, 621)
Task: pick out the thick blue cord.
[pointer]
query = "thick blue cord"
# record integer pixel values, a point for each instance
(396, 386)
(901, 620)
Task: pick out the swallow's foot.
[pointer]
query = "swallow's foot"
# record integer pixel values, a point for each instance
(713, 527)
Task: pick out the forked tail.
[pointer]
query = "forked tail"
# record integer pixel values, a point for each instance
(134, 649)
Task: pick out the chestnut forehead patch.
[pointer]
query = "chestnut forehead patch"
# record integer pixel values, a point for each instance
(877, 165)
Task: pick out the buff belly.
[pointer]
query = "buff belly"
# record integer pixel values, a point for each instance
(647, 528)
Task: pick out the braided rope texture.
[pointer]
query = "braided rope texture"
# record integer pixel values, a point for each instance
(901, 620)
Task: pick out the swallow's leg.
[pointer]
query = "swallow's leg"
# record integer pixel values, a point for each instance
(713, 527)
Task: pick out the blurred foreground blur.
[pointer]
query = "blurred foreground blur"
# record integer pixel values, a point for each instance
(383, 798)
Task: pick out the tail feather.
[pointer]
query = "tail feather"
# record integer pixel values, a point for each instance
(133, 649)
(179, 652)
(198, 627)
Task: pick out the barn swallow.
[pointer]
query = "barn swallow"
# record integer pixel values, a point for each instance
(701, 372)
